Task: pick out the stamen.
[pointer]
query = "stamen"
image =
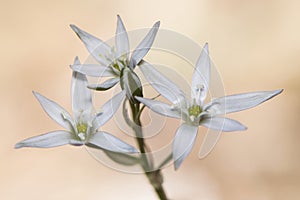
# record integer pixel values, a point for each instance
(195, 110)
(199, 90)
(81, 136)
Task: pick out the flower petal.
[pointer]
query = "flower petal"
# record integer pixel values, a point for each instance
(183, 143)
(201, 77)
(95, 46)
(48, 140)
(55, 111)
(81, 95)
(109, 142)
(105, 85)
(239, 102)
(145, 45)
(108, 110)
(222, 124)
(93, 70)
(162, 84)
(160, 107)
(122, 42)
(209, 142)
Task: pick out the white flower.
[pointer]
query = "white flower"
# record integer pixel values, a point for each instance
(82, 128)
(193, 111)
(112, 59)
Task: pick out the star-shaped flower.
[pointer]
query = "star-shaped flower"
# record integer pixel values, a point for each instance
(82, 128)
(115, 61)
(194, 112)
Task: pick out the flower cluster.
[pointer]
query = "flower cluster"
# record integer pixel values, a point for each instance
(83, 128)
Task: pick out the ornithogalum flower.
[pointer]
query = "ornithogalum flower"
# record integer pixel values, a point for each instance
(82, 128)
(194, 112)
(114, 62)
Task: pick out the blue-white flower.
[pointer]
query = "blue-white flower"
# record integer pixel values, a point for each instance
(115, 61)
(194, 112)
(82, 127)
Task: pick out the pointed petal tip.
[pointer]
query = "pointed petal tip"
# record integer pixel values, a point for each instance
(76, 60)
(206, 45)
(176, 165)
(74, 27)
(18, 145)
(157, 24)
(36, 94)
(279, 91)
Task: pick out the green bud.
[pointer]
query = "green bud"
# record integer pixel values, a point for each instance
(131, 83)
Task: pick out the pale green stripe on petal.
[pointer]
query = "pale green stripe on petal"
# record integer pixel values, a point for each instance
(222, 124)
(54, 111)
(108, 110)
(94, 70)
(105, 85)
(48, 140)
(109, 142)
(81, 95)
(239, 102)
(95, 46)
(122, 42)
(160, 107)
(162, 84)
(145, 45)
(201, 77)
(183, 143)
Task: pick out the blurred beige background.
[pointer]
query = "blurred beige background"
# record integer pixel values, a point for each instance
(255, 45)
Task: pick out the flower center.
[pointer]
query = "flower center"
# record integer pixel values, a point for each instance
(82, 129)
(195, 110)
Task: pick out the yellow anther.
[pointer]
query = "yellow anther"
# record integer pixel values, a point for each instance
(195, 110)
(81, 128)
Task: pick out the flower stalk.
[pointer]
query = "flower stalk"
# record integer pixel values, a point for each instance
(155, 177)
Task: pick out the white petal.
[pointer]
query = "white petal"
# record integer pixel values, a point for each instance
(109, 142)
(160, 107)
(55, 111)
(222, 124)
(239, 102)
(145, 45)
(81, 95)
(183, 143)
(95, 46)
(201, 77)
(93, 70)
(122, 42)
(108, 110)
(105, 85)
(162, 84)
(52, 139)
(209, 142)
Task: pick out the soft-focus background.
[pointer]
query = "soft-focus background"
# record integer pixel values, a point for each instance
(255, 46)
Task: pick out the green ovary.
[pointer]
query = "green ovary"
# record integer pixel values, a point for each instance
(81, 128)
(194, 110)
(116, 66)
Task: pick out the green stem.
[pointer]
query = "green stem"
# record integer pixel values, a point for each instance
(154, 177)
